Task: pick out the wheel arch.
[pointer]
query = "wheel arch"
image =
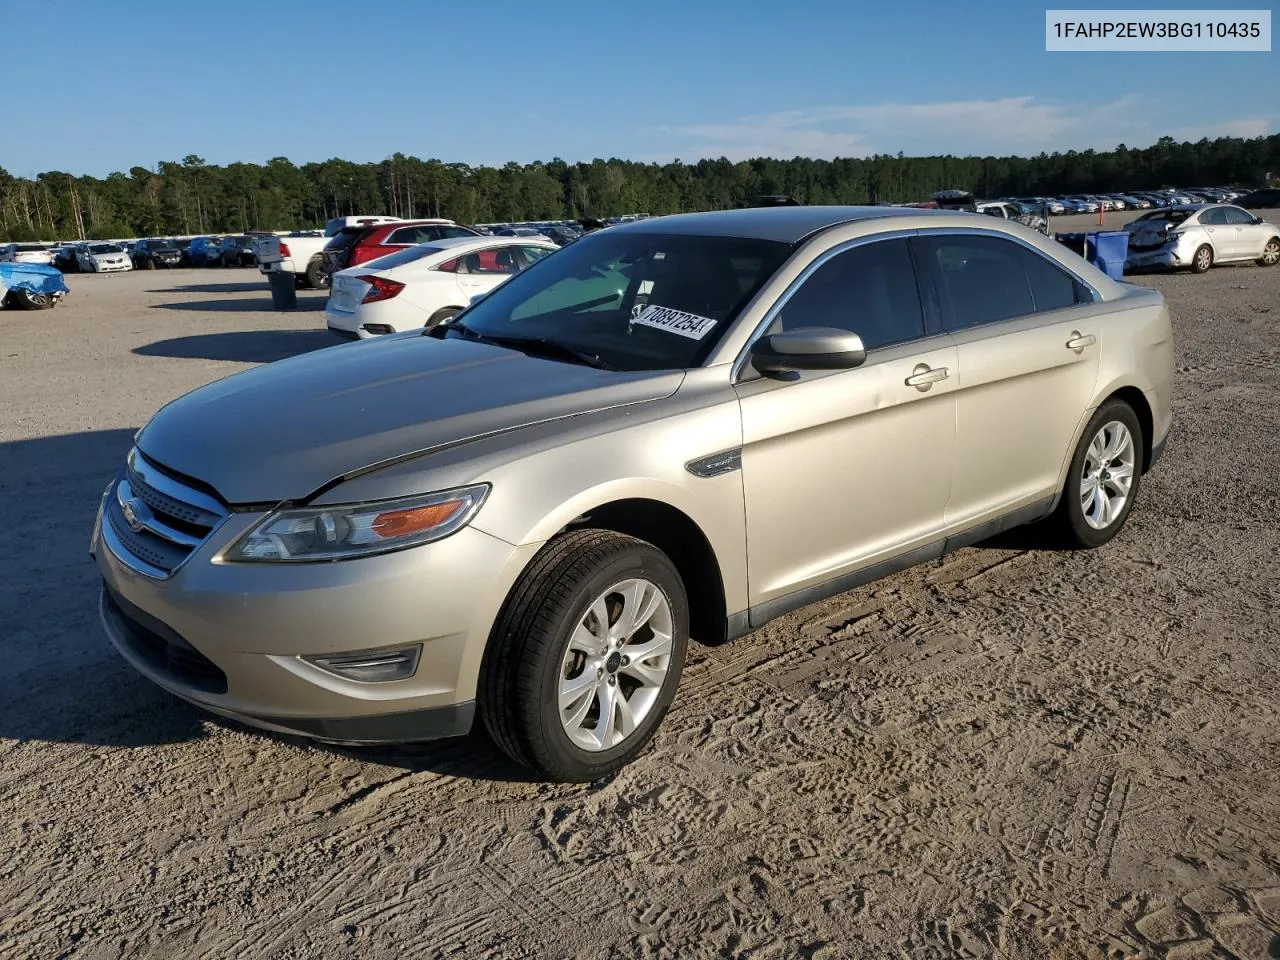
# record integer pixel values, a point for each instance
(678, 536)
(1137, 401)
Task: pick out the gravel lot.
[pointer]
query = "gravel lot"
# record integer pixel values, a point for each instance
(1011, 752)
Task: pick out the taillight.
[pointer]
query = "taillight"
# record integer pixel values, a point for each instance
(380, 288)
(284, 250)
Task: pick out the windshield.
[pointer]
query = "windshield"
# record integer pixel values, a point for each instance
(29, 248)
(104, 248)
(637, 301)
(401, 257)
(162, 245)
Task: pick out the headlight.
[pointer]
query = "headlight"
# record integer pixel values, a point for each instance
(358, 529)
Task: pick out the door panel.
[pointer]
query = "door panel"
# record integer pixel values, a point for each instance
(843, 469)
(1022, 394)
(1028, 344)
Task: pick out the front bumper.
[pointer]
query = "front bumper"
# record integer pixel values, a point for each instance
(232, 637)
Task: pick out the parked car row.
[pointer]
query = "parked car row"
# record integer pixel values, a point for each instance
(1132, 200)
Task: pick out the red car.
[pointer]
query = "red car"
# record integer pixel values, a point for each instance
(359, 244)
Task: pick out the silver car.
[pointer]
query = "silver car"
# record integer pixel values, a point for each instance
(677, 428)
(1196, 236)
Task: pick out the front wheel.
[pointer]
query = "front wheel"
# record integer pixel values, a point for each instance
(1202, 260)
(1102, 481)
(29, 300)
(1270, 253)
(585, 656)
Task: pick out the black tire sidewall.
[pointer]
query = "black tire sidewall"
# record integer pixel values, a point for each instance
(549, 742)
(1077, 527)
(315, 271)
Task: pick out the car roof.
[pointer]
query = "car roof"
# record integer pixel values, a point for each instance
(785, 224)
(450, 242)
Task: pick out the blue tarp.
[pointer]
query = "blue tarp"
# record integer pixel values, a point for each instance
(35, 277)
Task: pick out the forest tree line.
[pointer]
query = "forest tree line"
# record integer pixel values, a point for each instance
(194, 197)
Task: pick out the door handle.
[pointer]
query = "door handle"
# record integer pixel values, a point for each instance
(923, 376)
(1080, 340)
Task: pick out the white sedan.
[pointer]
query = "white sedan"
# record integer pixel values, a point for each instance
(425, 284)
(102, 258)
(26, 253)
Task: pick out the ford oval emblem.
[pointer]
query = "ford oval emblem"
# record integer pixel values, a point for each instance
(130, 508)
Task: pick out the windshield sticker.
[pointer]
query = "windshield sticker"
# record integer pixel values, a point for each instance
(676, 321)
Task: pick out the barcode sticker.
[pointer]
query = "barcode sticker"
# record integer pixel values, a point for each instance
(676, 321)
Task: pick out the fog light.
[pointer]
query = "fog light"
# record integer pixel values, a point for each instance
(379, 328)
(375, 666)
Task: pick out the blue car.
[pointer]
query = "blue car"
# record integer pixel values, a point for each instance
(31, 286)
(204, 251)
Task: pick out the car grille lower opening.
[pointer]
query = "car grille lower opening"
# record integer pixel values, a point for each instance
(166, 652)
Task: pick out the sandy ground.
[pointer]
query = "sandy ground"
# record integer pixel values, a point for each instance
(1012, 752)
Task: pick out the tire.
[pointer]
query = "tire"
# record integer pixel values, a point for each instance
(1270, 253)
(26, 300)
(1076, 522)
(317, 279)
(1202, 260)
(539, 644)
(151, 264)
(441, 315)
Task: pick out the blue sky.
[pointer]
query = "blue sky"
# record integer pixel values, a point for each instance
(127, 83)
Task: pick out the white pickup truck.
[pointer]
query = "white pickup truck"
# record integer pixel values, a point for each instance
(299, 252)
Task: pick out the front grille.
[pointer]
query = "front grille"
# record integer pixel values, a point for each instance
(167, 519)
(163, 649)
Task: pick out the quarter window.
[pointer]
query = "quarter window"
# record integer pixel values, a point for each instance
(534, 254)
(1052, 288)
(869, 290)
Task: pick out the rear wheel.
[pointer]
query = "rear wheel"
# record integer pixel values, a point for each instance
(1203, 259)
(1103, 478)
(317, 279)
(585, 656)
(1270, 253)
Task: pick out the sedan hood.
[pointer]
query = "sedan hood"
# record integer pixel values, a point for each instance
(284, 430)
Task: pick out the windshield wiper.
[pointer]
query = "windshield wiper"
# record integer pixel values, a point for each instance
(539, 346)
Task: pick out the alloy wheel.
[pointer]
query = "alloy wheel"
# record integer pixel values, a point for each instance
(615, 664)
(1109, 464)
(1271, 253)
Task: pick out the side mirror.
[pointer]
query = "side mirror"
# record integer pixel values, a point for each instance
(808, 348)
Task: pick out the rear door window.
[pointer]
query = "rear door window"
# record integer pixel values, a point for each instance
(1235, 217)
(869, 290)
(981, 280)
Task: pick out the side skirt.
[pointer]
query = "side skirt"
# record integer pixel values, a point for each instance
(744, 622)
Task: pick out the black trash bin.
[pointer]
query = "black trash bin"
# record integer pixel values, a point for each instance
(284, 291)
